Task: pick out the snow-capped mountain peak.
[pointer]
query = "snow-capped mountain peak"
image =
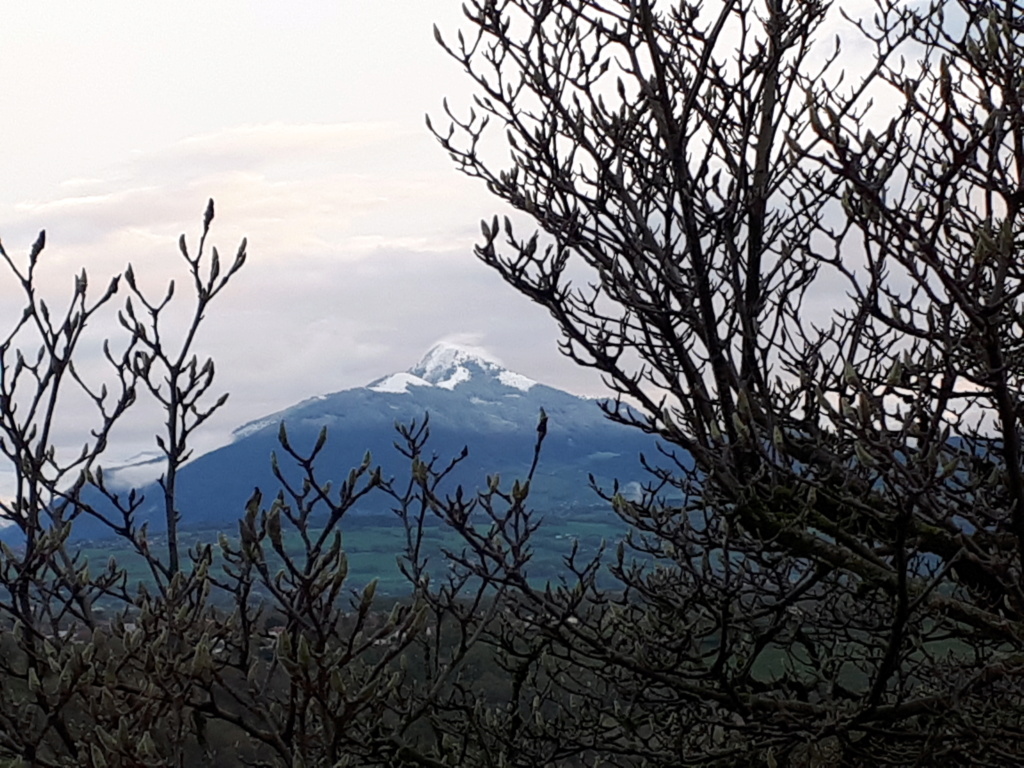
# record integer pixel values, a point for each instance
(472, 401)
(447, 366)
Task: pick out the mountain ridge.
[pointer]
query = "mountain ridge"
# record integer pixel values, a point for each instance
(471, 401)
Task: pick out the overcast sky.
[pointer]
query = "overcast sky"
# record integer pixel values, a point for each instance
(305, 122)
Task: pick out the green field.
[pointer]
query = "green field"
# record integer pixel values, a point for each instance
(374, 544)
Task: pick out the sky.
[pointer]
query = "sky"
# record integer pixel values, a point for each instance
(305, 122)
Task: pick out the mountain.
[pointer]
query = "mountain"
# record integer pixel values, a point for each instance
(472, 402)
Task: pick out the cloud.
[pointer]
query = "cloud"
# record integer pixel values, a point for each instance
(360, 258)
(291, 185)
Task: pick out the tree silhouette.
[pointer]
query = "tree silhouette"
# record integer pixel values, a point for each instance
(252, 651)
(808, 284)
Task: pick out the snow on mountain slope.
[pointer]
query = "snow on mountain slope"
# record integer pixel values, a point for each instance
(398, 383)
(447, 367)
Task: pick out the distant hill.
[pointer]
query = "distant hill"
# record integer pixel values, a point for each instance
(472, 401)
